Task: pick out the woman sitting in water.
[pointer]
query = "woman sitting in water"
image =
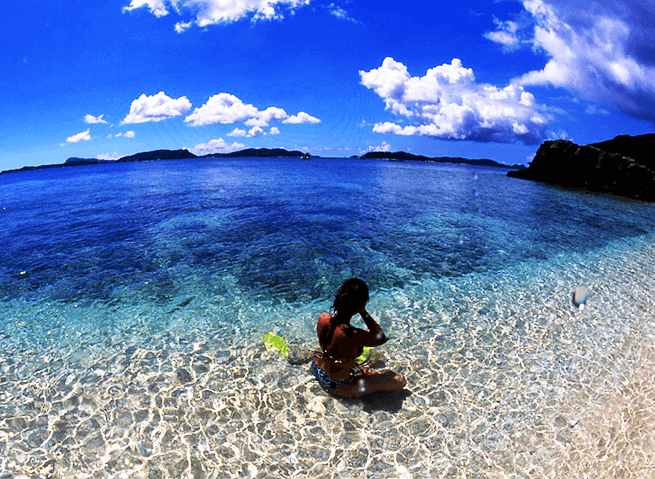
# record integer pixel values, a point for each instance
(341, 343)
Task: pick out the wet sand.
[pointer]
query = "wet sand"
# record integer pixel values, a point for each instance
(505, 380)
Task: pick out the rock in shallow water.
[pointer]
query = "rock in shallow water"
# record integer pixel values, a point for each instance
(580, 297)
(183, 375)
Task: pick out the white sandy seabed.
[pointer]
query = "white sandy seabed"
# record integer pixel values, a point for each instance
(506, 379)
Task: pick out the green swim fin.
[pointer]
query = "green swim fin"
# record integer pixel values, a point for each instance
(361, 359)
(276, 342)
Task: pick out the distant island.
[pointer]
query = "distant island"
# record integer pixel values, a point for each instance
(184, 154)
(622, 166)
(403, 156)
(157, 155)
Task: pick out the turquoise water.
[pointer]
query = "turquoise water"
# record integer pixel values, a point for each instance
(134, 297)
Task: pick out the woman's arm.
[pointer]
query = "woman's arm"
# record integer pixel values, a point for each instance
(376, 331)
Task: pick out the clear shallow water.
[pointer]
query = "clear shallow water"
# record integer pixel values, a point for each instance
(134, 297)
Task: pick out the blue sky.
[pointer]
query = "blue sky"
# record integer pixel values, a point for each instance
(476, 79)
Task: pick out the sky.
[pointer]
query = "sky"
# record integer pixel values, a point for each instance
(335, 78)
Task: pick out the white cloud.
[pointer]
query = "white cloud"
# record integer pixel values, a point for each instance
(83, 136)
(302, 117)
(238, 132)
(447, 103)
(182, 26)
(263, 117)
(506, 35)
(216, 146)
(383, 147)
(339, 12)
(222, 108)
(127, 134)
(603, 52)
(107, 156)
(157, 7)
(94, 119)
(225, 108)
(274, 131)
(256, 131)
(156, 108)
(209, 12)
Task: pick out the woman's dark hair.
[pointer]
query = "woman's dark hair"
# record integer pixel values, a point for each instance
(352, 295)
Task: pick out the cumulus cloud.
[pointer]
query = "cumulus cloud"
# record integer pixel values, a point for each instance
(94, 119)
(182, 26)
(216, 146)
(302, 117)
(107, 156)
(604, 52)
(209, 12)
(383, 147)
(156, 108)
(225, 108)
(222, 108)
(156, 7)
(447, 103)
(270, 114)
(238, 132)
(253, 132)
(127, 134)
(83, 136)
(274, 131)
(256, 131)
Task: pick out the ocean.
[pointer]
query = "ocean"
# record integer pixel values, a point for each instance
(134, 298)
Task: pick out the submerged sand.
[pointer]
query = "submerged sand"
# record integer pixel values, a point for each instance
(506, 379)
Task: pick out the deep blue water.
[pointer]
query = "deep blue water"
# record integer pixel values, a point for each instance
(283, 229)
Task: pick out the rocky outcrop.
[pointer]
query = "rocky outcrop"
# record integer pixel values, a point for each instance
(587, 167)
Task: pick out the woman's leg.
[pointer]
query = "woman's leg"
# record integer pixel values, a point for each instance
(371, 383)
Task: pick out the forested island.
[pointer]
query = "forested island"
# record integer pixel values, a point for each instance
(157, 155)
(403, 156)
(184, 154)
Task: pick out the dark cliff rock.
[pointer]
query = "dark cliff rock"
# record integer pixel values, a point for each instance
(639, 148)
(587, 167)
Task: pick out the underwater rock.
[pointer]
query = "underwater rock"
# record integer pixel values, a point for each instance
(183, 375)
(580, 295)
